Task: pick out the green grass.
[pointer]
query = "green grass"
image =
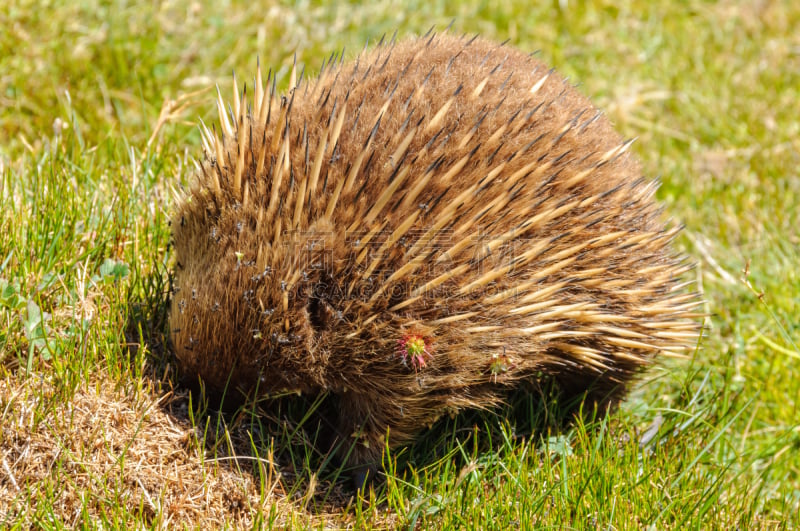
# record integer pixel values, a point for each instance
(97, 432)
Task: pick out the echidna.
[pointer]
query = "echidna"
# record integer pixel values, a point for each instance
(419, 231)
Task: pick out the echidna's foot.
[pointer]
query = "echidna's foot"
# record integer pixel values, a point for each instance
(364, 477)
(363, 439)
(363, 459)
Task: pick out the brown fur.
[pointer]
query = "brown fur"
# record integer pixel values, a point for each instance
(508, 225)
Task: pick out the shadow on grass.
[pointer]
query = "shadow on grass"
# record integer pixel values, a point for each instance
(292, 437)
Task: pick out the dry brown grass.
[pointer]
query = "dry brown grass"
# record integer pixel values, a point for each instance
(108, 447)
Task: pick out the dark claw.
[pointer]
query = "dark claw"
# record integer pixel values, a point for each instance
(364, 477)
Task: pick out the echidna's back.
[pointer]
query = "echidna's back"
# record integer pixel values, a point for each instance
(417, 229)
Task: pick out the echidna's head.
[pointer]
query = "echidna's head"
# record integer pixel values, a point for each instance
(247, 313)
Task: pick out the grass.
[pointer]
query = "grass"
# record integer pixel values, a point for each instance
(98, 107)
